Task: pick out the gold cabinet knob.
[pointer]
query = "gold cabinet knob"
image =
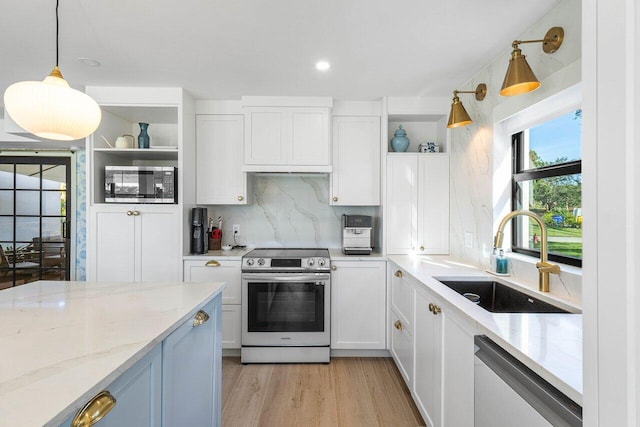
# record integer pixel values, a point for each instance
(136, 213)
(94, 410)
(398, 274)
(335, 199)
(436, 309)
(200, 318)
(421, 248)
(431, 307)
(129, 213)
(240, 198)
(333, 267)
(212, 263)
(398, 325)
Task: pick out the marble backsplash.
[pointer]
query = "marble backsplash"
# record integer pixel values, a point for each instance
(287, 210)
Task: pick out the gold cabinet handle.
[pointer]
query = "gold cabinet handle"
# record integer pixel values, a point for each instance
(398, 274)
(200, 318)
(212, 263)
(333, 267)
(436, 309)
(421, 248)
(94, 410)
(129, 213)
(136, 213)
(398, 325)
(335, 199)
(240, 198)
(431, 307)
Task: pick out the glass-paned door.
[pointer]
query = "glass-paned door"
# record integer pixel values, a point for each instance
(35, 214)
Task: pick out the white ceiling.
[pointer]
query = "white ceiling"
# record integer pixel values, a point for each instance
(225, 49)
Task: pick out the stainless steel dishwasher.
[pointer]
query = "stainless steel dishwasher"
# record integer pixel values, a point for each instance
(508, 393)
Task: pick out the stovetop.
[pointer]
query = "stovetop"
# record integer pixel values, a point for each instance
(287, 260)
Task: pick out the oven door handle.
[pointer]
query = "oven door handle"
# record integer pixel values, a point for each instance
(286, 278)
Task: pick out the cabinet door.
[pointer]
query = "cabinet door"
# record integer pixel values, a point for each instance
(355, 176)
(402, 203)
(401, 348)
(402, 296)
(358, 305)
(433, 204)
(219, 145)
(138, 395)
(428, 358)
(159, 244)
(231, 326)
(267, 136)
(217, 270)
(112, 245)
(309, 136)
(191, 366)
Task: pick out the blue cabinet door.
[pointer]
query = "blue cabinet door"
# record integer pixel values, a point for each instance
(138, 395)
(191, 372)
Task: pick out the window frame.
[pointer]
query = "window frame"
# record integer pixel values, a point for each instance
(518, 174)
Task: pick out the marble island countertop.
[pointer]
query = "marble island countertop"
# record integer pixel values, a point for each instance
(62, 342)
(549, 344)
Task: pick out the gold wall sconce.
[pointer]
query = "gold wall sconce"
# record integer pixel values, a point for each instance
(520, 78)
(458, 116)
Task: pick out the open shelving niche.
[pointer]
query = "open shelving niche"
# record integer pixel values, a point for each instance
(120, 120)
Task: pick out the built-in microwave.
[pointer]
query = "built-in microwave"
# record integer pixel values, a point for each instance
(140, 184)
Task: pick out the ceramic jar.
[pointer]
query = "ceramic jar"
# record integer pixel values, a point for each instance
(400, 142)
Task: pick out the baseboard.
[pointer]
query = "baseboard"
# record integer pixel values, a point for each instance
(360, 353)
(230, 352)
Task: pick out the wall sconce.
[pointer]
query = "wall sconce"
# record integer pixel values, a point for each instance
(458, 116)
(520, 78)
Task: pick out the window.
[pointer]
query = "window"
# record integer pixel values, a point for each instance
(547, 180)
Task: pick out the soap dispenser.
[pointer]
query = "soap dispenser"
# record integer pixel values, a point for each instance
(502, 263)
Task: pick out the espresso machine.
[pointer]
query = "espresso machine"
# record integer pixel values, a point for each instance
(357, 236)
(199, 238)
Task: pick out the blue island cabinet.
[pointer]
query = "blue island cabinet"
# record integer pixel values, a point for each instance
(177, 383)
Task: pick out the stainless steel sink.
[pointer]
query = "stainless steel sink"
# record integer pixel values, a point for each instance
(498, 298)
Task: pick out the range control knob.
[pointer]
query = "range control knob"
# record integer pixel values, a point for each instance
(310, 262)
(250, 262)
(261, 262)
(321, 262)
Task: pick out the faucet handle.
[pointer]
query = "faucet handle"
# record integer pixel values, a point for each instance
(547, 267)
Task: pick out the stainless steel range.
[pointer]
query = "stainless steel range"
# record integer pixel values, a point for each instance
(285, 306)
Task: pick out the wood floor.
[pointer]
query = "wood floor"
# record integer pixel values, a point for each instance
(347, 392)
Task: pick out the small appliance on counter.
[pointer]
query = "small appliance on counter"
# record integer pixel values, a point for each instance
(357, 234)
(199, 238)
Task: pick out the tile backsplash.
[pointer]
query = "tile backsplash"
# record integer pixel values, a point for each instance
(288, 210)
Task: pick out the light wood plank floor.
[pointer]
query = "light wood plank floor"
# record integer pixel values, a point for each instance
(347, 392)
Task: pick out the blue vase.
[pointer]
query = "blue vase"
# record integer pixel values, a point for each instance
(144, 139)
(400, 142)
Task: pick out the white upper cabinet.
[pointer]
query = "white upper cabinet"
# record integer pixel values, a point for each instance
(355, 179)
(286, 134)
(219, 144)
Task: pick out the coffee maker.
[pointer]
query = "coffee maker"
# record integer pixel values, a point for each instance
(199, 238)
(356, 234)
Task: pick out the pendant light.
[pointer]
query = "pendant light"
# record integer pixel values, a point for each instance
(50, 108)
(458, 116)
(520, 78)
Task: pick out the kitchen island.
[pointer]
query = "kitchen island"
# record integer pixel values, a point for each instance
(64, 342)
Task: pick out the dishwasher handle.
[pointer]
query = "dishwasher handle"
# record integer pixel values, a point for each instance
(550, 402)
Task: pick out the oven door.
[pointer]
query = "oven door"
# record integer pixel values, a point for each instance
(285, 309)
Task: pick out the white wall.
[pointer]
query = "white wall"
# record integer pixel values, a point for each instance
(480, 163)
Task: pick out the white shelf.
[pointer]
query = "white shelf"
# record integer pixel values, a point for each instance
(160, 153)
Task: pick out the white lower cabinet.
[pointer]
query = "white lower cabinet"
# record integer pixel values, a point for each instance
(134, 243)
(210, 269)
(358, 305)
(401, 348)
(177, 383)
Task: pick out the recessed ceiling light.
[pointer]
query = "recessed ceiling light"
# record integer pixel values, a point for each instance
(322, 65)
(88, 61)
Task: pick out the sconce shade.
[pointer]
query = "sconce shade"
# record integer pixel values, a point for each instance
(458, 116)
(519, 78)
(51, 109)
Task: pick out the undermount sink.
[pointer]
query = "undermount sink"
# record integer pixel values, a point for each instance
(498, 298)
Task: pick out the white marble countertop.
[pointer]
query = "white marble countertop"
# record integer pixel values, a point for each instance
(62, 342)
(231, 255)
(549, 344)
(337, 255)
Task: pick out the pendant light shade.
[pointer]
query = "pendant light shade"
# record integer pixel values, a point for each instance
(520, 78)
(50, 108)
(458, 116)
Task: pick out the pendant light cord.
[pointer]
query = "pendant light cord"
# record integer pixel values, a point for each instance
(57, 3)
